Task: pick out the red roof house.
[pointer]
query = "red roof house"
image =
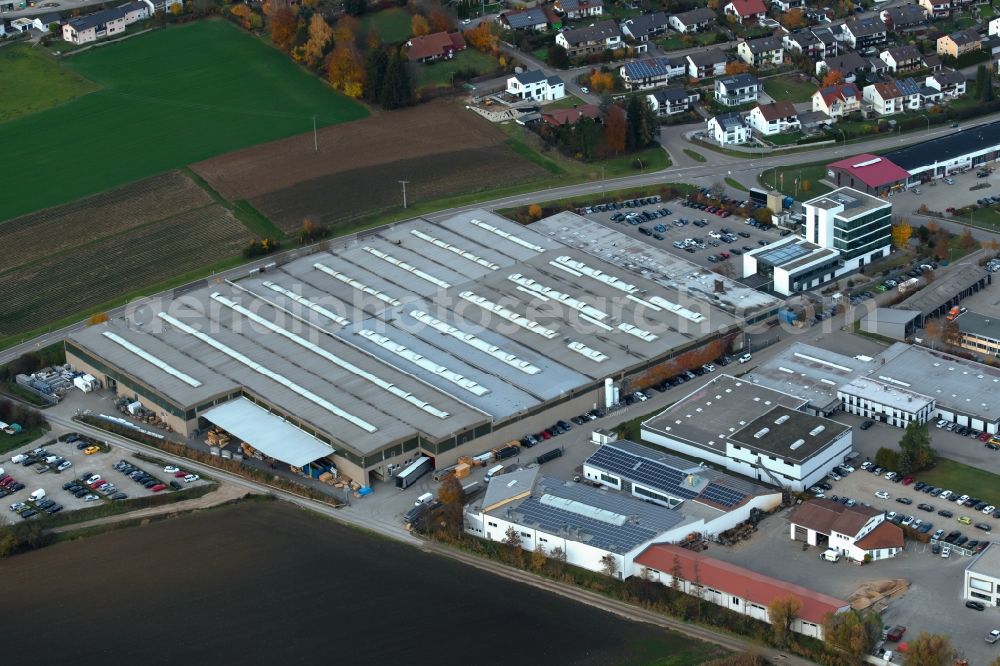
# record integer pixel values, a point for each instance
(736, 588)
(867, 173)
(559, 117)
(435, 46)
(746, 11)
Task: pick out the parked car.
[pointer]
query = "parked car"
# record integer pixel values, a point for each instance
(975, 605)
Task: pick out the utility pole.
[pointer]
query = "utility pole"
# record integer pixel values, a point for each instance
(315, 137)
(403, 183)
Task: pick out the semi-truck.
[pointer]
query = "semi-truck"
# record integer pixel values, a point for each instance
(414, 471)
(549, 455)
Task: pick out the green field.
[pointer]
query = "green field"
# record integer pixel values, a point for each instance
(167, 99)
(962, 479)
(788, 87)
(393, 25)
(23, 71)
(675, 41)
(812, 172)
(438, 74)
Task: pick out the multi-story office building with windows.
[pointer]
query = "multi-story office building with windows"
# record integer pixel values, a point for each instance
(854, 223)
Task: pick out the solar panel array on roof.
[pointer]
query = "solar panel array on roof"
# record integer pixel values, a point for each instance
(780, 256)
(650, 68)
(642, 470)
(722, 495)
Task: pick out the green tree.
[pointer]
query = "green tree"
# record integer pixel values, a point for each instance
(782, 613)
(854, 632)
(915, 448)
(929, 650)
(642, 124)
(609, 565)
(355, 7)
(557, 56)
(376, 63)
(887, 459)
(397, 88)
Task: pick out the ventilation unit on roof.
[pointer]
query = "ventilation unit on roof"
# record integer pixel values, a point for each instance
(817, 430)
(760, 433)
(797, 443)
(866, 163)
(781, 419)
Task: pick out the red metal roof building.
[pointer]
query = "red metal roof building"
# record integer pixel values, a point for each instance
(738, 589)
(559, 117)
(866, 173)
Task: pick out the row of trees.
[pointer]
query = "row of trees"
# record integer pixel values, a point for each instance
(15, 412)
(617, 130)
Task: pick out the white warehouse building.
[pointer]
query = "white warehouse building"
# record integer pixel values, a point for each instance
(883, 402)
(752, 430)
(592, 524)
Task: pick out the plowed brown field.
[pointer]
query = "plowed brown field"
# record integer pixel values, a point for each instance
(441, 148)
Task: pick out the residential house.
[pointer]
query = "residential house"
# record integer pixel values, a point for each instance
(930, 96)
(858, 533)
(136, 10)
(826, 36)
(804, 42)
(737, 89)
(729, 129)
(747, 12)
(875, 66)
(651, 72)
(695, 20)
(848, 64)
(883, 98)
(787, 5)
(959, 43)
(597, 38)
(774, 118)
(38, 23)
(535, 85)
(165, 5)
(902, 58)
(643, 28)
(994, 27)
(560, 117)
(706, 63)
(534, 18)
(436, 46)
(904, 18)
(578, 9)
(865, 33)
(740, 590)
(909, 91)
(763, 52)
(949, 82)
(837, 101)
(936, 8)
(932, 61)
(90, 28)
(671, 101)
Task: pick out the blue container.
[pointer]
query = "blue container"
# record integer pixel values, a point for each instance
(365, 490)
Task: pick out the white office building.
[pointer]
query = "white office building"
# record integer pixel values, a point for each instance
(855, 224)
(884, 402)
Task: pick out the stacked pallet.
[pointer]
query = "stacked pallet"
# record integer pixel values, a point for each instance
(462, 470)
(328, 478)
(218, 437)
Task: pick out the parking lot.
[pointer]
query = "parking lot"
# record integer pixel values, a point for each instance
(933, 602)
(943, 195)
(700, 233)
(66, 488)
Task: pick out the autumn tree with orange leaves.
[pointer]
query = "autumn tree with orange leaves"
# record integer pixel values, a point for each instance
(832, 78)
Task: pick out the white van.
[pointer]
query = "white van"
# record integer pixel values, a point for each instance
(19, 458)
(38, 495)
(492, 471)
(423, 499)
(745, 358)
(830, 555)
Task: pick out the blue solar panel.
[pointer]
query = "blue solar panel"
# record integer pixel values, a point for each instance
(722, 495)
(643, 471)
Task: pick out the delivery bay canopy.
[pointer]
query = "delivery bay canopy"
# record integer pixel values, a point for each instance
(268, 433)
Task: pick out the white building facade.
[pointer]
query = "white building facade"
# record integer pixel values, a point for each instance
(886, 403)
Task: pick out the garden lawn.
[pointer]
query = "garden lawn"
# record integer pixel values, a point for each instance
(963, 479)
(675, 41)
(167, 99)
(438, 74)
(790, 87)
(393, 25)
(32, 81)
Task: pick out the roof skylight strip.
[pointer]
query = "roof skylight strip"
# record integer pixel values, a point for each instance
(452, 248)
(476, 343)
(409, 268)
(597, 274)
(590, 353)
(508, 236)
(565, 299)
(423, 362)
(360, 286)
(509, 315)
(149, 358)
(274, 376)
(305, 302)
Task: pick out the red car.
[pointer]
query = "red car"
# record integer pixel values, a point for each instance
(545, 434)
(158, 487)
(907, 480)
(895, 633)
(180, 475)
(97, 483)
(984, 437)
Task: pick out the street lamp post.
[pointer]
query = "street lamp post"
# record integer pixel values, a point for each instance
(403, 183)
(843, 135)
(928, 122)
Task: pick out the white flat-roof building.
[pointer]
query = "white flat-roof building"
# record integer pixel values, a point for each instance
(886, 403)
(793, 264)
(853, 223)
(752, 430)
(982, 577)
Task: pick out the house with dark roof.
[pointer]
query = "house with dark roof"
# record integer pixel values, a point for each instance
(902, 58)
(737, 89)
(136, 10)
(731, 586)
(90, 28)
(865, 32)
(952, 153)
(936, 8)
(837, 101)
(762, 52)
(848, 64)
(904, 18)
(597, 38)
(805, 42)
(774, 118)
(533, 18)
(436, 46)
(949, 82)
(651, 72)
(787, 5)
(705, 63)
(695, 20)
(642, 28)
(747, 12)
(671, 101)
(729, 129)
(827, 37)
(857, 532)
(959, 43)
(535, 85)
(577, 9)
